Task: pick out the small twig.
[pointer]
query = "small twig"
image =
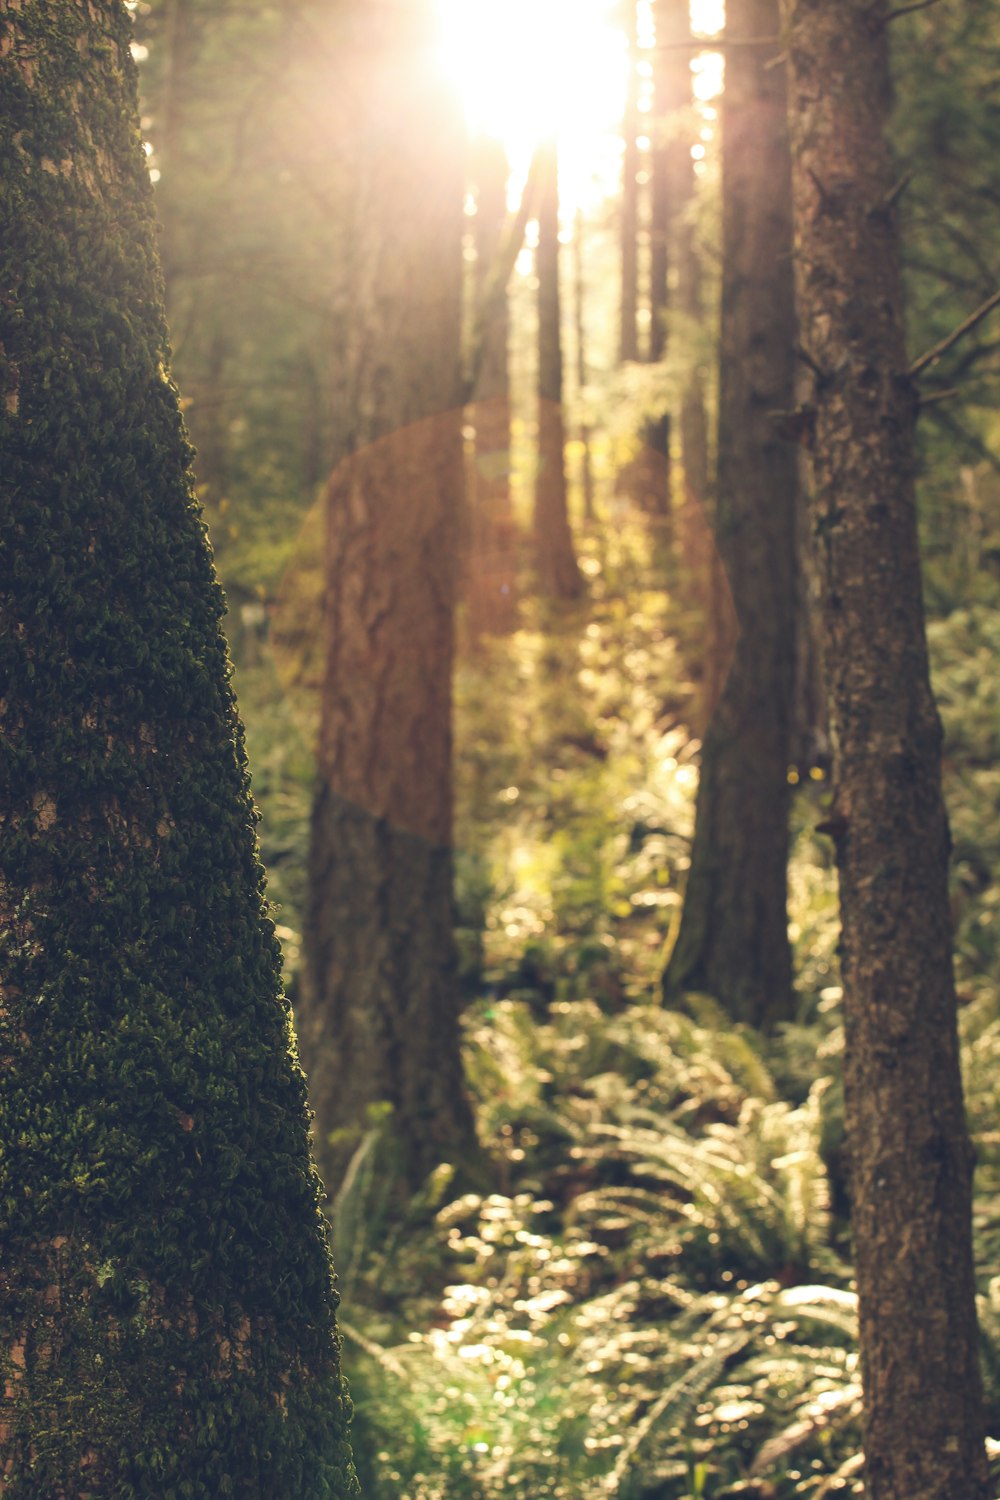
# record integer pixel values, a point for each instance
(953, 338)
(803, 354)
(906, 10)
(898, 189)
(824, 196)
(933, 397)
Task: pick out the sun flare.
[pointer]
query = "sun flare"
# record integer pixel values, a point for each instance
(530, 69)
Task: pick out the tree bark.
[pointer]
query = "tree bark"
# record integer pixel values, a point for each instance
(910, 1157)
(167, 1309)
(558, 574)
(491, 562)
(733, 939)
(379, 1002)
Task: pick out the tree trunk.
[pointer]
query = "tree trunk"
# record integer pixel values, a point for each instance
(558, 574)
(167, 1318)
(910, 1158)
(491, 563)
(379, 1004)
(580, 330)
(669, 68)
(733, 939)
(690, 533)
(628, 340)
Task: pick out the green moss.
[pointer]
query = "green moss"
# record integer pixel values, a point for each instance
(167, 1320)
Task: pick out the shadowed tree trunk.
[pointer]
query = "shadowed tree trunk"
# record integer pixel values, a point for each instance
(167, 1311)
(558, 574)
(379, 1004)
(733, 939)
(909, 1152)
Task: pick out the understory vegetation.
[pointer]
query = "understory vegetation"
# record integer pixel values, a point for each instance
(651, 1295)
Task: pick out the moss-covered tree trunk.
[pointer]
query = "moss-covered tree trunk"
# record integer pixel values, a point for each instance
(558, 574)
(379, 1005)
(733, 939)
(167, 1310)
(910, 1159)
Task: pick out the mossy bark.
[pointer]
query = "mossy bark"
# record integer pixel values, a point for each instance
(909, 1153)
(379, 1007)
(733, 937)
(167, 1314)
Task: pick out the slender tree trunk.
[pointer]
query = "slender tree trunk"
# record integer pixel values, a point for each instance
(580, 329)
(910, 1157)
(558, 574)
(379, 1005)
(628, 340)
(702, 578)
(491, 565)
(733, 939)
(167, 1315)
(667, 139)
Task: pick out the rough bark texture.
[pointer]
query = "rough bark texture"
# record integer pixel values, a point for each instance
(166, 1301)
(558, 574)
(491, 562)
(910, 1159)
(733, 939)
(379, 1004)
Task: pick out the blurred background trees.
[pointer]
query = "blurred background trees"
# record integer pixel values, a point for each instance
(671, 1175)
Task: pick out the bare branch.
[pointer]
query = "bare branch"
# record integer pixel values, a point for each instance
(953, 338)
(898, 189)
(906, 10)
(933, 397)
(495, 287)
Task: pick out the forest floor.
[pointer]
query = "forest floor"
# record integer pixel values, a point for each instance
(653, 1296)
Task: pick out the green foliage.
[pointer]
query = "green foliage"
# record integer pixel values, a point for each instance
(606, 1329)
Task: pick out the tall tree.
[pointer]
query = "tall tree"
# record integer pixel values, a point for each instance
(167, 1321)
(673, 193)
(628, 330)
(669, 66)
(491, 555)
(733, 938)
(910, 1157)
(558, 574)
(379, 1003)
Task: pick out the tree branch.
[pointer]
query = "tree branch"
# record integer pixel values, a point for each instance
(906, 10)
(953, 337)
(495, 285)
